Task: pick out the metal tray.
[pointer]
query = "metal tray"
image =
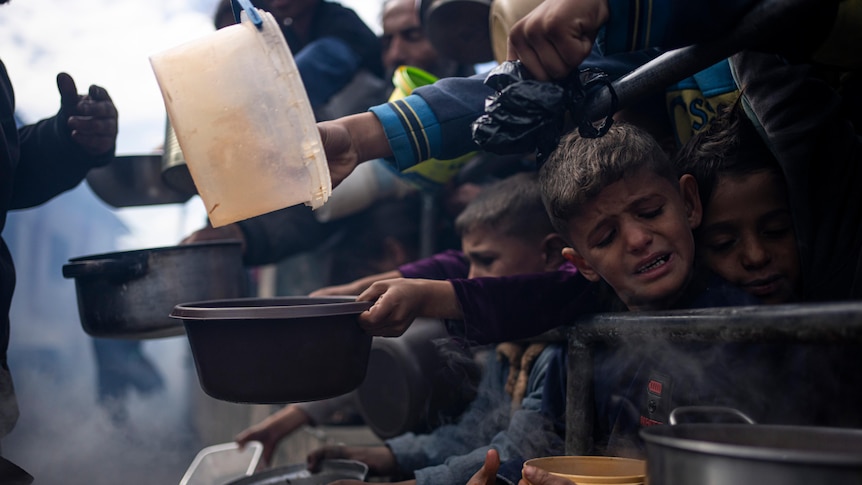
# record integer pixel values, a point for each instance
(298, 474)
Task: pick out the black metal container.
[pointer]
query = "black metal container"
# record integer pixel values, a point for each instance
(130, 294)
(277, 350)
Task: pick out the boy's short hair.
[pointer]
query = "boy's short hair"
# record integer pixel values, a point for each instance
(580, 168)
(512, 206)
(730, 146)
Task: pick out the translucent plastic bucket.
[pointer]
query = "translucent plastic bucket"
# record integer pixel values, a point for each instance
(243, 121)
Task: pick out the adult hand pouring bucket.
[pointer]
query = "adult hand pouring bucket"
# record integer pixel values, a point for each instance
(243, 121)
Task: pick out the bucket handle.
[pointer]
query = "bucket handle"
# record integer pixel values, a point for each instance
(239, 5)
(713, 410)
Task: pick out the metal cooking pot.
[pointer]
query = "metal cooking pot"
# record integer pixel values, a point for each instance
(175, 172)
(134, 180)
(130, 294)
(411, 386)
(755, 454)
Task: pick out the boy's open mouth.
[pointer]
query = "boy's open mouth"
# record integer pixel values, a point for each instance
(659, 261)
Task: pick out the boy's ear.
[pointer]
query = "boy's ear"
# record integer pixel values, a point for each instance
(691, 199)
(584, 268)
(552, 248)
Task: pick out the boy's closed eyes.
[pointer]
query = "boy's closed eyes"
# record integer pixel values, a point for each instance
(636, 235)
(748, 237)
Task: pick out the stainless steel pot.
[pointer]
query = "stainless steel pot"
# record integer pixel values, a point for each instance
(130, 294)
(175, 172)
(742, 454)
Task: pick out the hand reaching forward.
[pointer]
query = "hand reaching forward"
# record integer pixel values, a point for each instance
(399, 301)
(351, 140)
(92, 118)
(487, 475)
(553, 39)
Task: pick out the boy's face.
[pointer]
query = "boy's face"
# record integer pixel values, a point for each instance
(494, 254)
(747, 237)
(636, 235)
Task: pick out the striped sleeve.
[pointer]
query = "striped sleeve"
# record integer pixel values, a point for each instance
(411, 128)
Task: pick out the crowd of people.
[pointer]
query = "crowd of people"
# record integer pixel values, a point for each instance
(735, 186)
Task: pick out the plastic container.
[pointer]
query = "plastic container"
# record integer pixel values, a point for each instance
(593, 470)
(243, 121)
(219, 464)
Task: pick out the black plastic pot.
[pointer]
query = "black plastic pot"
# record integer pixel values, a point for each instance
(130, 294)
(277, 350)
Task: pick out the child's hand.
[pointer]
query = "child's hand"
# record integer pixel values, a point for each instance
(487, 475)
(553, 39)
(397, 302)
(537, 476)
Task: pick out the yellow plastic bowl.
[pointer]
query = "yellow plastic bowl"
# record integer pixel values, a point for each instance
(593, 470)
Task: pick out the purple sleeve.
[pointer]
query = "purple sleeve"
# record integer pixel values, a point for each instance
(441, 266)
(516, 307)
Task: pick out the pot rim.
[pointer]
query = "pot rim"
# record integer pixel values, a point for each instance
(674, 437)
(182, 247)
(270, 308)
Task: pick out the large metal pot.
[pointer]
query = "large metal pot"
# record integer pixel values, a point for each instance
(130, 294)
(741, 454)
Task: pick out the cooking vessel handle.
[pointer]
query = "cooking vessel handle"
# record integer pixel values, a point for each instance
(708, 410)
(116, 269)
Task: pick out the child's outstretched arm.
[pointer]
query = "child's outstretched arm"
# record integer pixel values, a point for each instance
(398, 302)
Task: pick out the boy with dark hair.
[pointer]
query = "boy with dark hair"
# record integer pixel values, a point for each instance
(505, 231)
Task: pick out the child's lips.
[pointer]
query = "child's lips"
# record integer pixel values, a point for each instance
(653, 264)
(763, 286)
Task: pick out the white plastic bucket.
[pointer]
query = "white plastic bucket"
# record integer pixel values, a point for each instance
(243, 121)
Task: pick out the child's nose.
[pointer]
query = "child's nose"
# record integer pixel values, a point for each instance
(637, 237)
(754, 254)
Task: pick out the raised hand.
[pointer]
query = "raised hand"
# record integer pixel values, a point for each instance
(91, 118)
(553, 39)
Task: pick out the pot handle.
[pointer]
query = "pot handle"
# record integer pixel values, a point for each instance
(708, 410)
(115, 269)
